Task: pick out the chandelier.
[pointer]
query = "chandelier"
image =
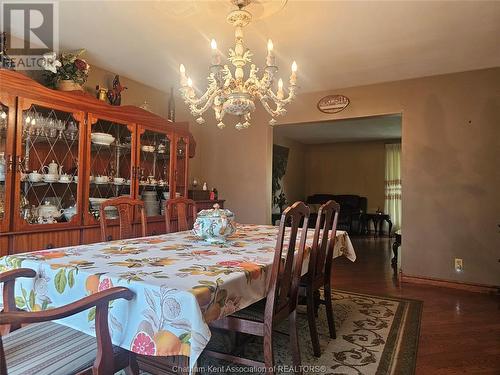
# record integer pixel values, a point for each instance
(228, 91)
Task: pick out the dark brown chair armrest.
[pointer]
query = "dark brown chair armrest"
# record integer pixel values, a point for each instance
(97, 299)
(16, 273)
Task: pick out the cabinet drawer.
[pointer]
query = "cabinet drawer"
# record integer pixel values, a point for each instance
(4, 245)
(93, 235)
(153, 228)
(41, 241)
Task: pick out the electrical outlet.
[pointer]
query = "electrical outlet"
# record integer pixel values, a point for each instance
(459, 264)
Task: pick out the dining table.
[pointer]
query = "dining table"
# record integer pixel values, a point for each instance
(181, 283)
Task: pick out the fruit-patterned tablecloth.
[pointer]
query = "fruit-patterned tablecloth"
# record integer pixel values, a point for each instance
(180, 284)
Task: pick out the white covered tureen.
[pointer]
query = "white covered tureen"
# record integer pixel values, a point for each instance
(214, 225)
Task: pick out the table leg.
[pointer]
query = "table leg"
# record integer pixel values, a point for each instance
(390, 226)
(395, 247)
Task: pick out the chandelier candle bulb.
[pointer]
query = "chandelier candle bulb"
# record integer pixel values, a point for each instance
(184, 80)
(270, 60)
(280, 89)
(215, 53)
(293, 77)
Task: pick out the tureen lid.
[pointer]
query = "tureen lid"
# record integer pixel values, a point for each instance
(215, 212)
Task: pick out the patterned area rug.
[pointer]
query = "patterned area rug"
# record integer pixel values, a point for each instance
(375, 335)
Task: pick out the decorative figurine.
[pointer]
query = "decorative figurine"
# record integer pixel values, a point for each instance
(195, 183)
(101, 93)
(205, 188)
(146, 106)
(115, 94)
(5, 61)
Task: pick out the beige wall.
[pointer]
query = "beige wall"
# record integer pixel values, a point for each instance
(347, 168)
(451, 179)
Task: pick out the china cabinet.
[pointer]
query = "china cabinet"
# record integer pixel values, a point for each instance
(63, 153)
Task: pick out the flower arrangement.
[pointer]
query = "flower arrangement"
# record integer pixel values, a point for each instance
(69, 67)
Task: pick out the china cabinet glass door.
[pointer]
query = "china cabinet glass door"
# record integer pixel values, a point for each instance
(48, 150)
(7, 126)
(181, 166)
(110, 164)
(153, 166)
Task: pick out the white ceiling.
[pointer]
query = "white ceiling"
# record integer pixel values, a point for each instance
(353, 130)
(336, 43)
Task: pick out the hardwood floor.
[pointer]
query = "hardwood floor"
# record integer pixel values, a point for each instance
(460, 331)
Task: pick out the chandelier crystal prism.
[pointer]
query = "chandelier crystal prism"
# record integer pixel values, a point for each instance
(229, 92)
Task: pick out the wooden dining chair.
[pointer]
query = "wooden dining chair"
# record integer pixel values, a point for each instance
(125, 206)
(182, 209)
(319, 273)
(261, 318)
(48, 348)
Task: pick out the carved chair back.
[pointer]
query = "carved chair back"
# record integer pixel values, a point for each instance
(182, 209)
(125, 206)
(12, 318)
(320, 261)
(287, 263)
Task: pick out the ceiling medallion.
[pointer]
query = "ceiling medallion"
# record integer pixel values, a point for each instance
(333, 103)
(229, 92)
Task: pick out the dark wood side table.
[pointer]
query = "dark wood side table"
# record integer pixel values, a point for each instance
(377, 219)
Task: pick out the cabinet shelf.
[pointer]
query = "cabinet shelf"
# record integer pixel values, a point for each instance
(44, 183)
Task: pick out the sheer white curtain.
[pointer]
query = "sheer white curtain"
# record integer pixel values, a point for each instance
(393, 184)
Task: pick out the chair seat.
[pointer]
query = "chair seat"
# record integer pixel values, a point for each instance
(48, 349)
(254, 312)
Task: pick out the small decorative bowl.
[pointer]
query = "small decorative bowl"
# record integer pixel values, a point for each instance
(104, 139)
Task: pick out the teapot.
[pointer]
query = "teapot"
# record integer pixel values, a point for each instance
(49, 211)
(214, 225)
(53, 169)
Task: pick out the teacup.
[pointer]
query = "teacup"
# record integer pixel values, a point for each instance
(118, 180)
(50, 177)
(35, 176)
(65, 178)
(101, 179)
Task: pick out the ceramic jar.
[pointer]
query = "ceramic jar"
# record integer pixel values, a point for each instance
(214, 225)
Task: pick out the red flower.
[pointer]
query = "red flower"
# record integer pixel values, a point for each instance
(143, 344)
(229, 263)
(81, 64)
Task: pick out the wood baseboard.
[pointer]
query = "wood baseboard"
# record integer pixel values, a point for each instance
(471, 287)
